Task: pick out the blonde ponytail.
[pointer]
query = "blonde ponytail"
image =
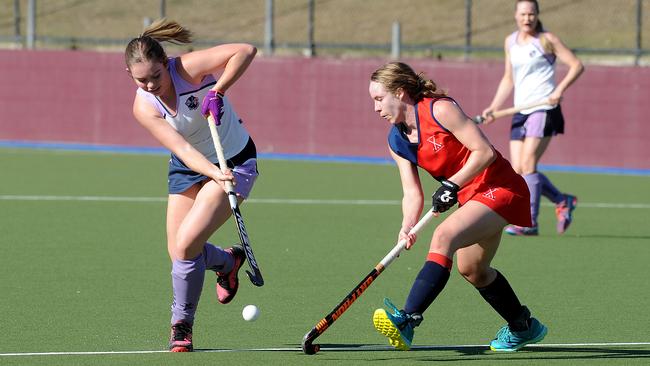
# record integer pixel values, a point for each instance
(163, 30)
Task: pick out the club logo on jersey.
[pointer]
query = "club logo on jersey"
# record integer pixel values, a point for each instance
(192, 102)
(490, 193)
(436, 146)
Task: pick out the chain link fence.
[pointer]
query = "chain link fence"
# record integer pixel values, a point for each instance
(599, 31)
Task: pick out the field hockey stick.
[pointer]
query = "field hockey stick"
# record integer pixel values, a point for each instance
(307, 341)
(478, 119)
(256, 276)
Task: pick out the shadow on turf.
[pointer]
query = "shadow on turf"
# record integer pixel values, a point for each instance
(334, 347)
(536, 352)
(602, 352)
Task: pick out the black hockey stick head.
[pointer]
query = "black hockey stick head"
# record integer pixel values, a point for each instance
(256, 279)
(308, 347)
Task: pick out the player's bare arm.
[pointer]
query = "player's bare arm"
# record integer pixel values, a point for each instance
(466, 131)
(413, 199)
(503, 90)
(568, 58)
(150, 119)
(233, 59)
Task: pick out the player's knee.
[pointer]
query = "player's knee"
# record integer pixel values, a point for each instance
(528, 166)
(442, 239)
(171, 249)
(466, 270)
(183, 249)
(527, 170)
(183, 253)
(474, 273)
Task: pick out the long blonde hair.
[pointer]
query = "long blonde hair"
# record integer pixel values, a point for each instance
(396, 75)
(147, 46)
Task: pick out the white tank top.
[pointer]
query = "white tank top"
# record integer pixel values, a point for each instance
(533, 72)
(192, 125)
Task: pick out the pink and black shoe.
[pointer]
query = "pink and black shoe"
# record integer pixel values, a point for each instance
(228, 283)
(181, 338)
(564, 212)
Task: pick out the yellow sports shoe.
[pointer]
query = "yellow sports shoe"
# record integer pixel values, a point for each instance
(397, 327)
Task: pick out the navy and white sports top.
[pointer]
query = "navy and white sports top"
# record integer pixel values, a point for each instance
(533, 72)
(192, 125)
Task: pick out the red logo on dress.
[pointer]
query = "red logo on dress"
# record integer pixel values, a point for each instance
(436, 146)
(490, 193)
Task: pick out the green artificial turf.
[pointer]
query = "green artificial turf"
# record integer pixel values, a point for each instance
(84, 269)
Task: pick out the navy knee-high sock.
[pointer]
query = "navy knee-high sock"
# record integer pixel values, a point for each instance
(429, 283)
(503, 299)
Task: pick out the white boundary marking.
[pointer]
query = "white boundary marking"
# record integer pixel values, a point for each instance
(325, 349)
(290, 201)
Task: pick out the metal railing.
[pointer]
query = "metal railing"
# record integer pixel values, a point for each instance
(474, 28)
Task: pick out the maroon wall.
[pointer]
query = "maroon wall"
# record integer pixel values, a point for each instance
(313, 106)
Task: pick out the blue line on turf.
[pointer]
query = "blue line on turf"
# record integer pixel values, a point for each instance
(298, 157)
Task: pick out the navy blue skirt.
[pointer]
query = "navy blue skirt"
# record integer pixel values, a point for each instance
(243, 165)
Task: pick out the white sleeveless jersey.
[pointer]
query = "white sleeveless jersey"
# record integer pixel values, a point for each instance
(192, 125)
(533, 72)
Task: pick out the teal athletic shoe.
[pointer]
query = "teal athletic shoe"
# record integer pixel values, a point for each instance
(397, 327)
(509, 341)
(521, 231)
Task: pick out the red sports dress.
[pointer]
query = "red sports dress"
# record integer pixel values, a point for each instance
(442, 155)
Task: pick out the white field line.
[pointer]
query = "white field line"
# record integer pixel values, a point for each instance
(335, 349)
(289, 201)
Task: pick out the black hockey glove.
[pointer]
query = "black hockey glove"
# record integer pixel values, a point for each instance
(446, 196)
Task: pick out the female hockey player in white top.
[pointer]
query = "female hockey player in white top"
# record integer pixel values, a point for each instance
(174, 97)
(530, 54)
